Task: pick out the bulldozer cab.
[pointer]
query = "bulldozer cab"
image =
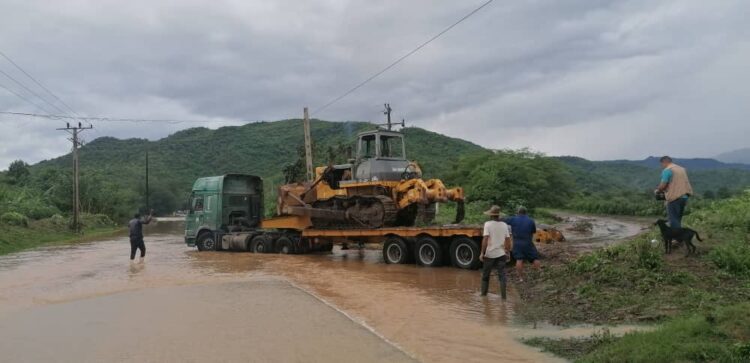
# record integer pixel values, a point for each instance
(381, 155)
(381, 145)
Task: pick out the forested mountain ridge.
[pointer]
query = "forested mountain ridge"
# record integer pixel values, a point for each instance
(705, 174)
(735, 156)
(262, 148)
(113, 170)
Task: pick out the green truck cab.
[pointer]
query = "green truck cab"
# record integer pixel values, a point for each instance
(223, 204)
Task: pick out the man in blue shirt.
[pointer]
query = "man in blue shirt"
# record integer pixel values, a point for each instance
(522, 227)
(676, 188)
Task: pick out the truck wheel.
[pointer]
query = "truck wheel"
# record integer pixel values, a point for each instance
(465, 253)
(260, 244)
(206, 242)
(429, 252)
(284, 246)
(395, 250)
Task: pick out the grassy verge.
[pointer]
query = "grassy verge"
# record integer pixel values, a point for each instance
(700, 301)
(47, 232)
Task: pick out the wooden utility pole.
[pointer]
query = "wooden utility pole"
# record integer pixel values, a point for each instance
(75, 131)
(148, 207)
(308, 147)
(387, 112)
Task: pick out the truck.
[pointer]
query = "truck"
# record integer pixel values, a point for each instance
(226, 213)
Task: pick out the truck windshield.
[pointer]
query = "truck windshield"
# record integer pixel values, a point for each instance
(392, 147)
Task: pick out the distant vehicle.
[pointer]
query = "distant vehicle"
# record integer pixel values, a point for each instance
(226, 213)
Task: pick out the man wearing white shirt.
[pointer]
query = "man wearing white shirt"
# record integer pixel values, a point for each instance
(496, 245)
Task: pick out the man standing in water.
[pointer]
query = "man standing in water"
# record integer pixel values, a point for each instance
(136, 234)
(495, 247)
(523, 229)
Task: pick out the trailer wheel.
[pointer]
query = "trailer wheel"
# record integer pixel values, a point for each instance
(284, 246)
(395, 250)
(465, 253)
(428, 252)
(206, 242)
(260, 244)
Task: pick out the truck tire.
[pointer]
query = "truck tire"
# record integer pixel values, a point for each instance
(428, 252)
(206, 242)
(285, 246)
(395, 251)
(261, 244)
(465, 253)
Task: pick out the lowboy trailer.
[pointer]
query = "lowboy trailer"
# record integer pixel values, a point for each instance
(226, 213)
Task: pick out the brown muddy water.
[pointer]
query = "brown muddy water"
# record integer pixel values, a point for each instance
(87, 302)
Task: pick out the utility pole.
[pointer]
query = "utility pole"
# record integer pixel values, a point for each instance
(308, 147)
(75, 131)
(148, 209)
(387, 112)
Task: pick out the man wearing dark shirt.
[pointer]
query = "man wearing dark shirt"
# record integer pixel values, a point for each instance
(136, 234)
(522, 227)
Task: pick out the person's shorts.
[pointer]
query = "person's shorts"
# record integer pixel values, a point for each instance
(525, 251)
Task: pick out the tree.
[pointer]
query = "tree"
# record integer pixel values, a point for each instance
(723, 193)
(18, 172)
(513, 178)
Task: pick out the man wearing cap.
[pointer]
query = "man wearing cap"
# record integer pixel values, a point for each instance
(676, 188)
(495, 247)
(523, 228)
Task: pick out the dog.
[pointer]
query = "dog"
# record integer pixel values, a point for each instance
(669, 234)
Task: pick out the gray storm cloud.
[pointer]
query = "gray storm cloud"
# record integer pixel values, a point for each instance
(617, 79)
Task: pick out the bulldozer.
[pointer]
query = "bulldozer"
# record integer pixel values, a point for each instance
(379, 187)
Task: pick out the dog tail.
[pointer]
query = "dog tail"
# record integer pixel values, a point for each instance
(698, 236)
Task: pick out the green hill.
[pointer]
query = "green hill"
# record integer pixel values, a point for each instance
(262, 149)
(113, 170)
(736, 156)
(608, 176)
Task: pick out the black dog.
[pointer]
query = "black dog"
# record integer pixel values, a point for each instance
(669, 234)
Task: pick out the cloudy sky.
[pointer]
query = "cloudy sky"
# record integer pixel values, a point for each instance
(599, 79)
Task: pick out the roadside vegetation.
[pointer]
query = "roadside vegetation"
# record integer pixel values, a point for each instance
(700, 302)
(31, 210)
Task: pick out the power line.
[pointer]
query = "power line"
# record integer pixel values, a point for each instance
(107, 119)
(40, 108)
(38, 83)
(397, 61)
(30, 91)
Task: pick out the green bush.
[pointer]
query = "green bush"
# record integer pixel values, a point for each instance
(733, 257)
(731, 215)
(649, 256)
(717, 337)
(14, 219)
(96, 220)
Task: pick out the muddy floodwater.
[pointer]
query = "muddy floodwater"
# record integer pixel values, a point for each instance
(87, 302)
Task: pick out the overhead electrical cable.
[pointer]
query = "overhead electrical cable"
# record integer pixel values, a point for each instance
(111, 119)
(39, 83)
(397, 61)
(31, 91)
(40, 108)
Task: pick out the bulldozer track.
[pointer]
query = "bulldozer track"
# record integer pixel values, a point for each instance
(389, 217)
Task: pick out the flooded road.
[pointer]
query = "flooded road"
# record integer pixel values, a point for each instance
(432, 314)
